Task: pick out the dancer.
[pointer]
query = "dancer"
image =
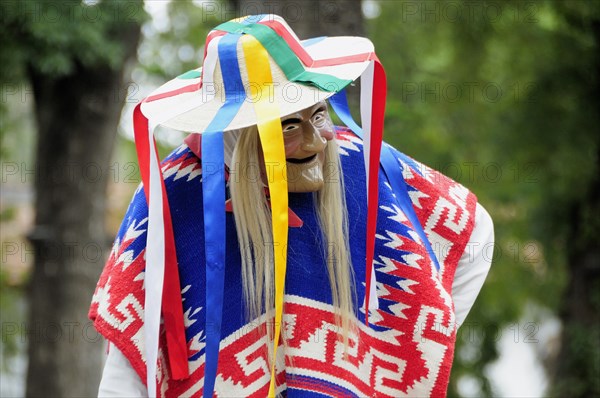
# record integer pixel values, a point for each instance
(276, 254)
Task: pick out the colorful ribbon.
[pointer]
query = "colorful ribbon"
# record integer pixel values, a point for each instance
(285, 57)
(213, 193)
(372, 107)
(299, 49)
(160, 255)
(339, 104)
(271, 138)
(161, 280)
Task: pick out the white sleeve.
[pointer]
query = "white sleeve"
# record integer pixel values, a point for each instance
(473, 265)
(119, 379)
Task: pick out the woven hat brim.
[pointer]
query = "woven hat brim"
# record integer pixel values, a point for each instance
(291, 97)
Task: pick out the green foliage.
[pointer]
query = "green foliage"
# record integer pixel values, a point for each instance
(176, 44)
(503, 97)
(54, 37)
(11, 316)
(583, 353)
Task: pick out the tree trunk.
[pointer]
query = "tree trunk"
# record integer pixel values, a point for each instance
(313, 18)
(77, 117)
(577, 368)
(577, 365)
(310, 18)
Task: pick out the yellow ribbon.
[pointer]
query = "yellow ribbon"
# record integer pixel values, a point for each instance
(271, 138)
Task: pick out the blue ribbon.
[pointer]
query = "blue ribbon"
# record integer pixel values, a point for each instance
(213, 195)
(389, 163)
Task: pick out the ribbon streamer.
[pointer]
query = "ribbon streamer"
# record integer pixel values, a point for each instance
(160, 254)
(299, 49)
(271, 138)
(155, 250)
(213, 192)
(285, 58)
(161, 258)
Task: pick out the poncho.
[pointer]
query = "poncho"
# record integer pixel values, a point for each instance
(406, 350)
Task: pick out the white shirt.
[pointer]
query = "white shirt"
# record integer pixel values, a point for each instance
(120, 380)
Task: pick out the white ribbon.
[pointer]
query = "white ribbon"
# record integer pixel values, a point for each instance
(155, 243)
(155, 267)
(366, 104)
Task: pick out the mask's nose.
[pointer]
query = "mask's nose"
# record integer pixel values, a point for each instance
(312, 139)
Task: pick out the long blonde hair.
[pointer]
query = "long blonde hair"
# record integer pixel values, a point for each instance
(253, 224)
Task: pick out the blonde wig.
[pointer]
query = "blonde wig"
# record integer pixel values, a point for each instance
(253, 224)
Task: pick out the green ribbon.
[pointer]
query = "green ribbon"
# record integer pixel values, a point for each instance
(285, 58)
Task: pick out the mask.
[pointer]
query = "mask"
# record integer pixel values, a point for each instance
(306, 134)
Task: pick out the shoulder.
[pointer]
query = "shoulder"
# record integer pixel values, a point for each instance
(445, 208)
(431, 182)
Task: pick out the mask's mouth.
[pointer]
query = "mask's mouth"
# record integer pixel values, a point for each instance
(302, 161)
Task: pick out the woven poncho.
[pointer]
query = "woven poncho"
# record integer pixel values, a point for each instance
(408, 348)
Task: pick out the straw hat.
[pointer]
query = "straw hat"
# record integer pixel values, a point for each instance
(201, 92)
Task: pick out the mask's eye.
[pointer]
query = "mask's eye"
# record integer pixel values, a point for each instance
(319, 118)
(287, 128)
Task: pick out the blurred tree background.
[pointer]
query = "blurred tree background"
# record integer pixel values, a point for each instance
(72, 59)
(505, 97)
(502, 96)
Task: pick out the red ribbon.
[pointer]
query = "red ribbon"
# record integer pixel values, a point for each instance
(299, 50)
(377, 118)
(186, 89)
(306, 59)
(172, 308)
